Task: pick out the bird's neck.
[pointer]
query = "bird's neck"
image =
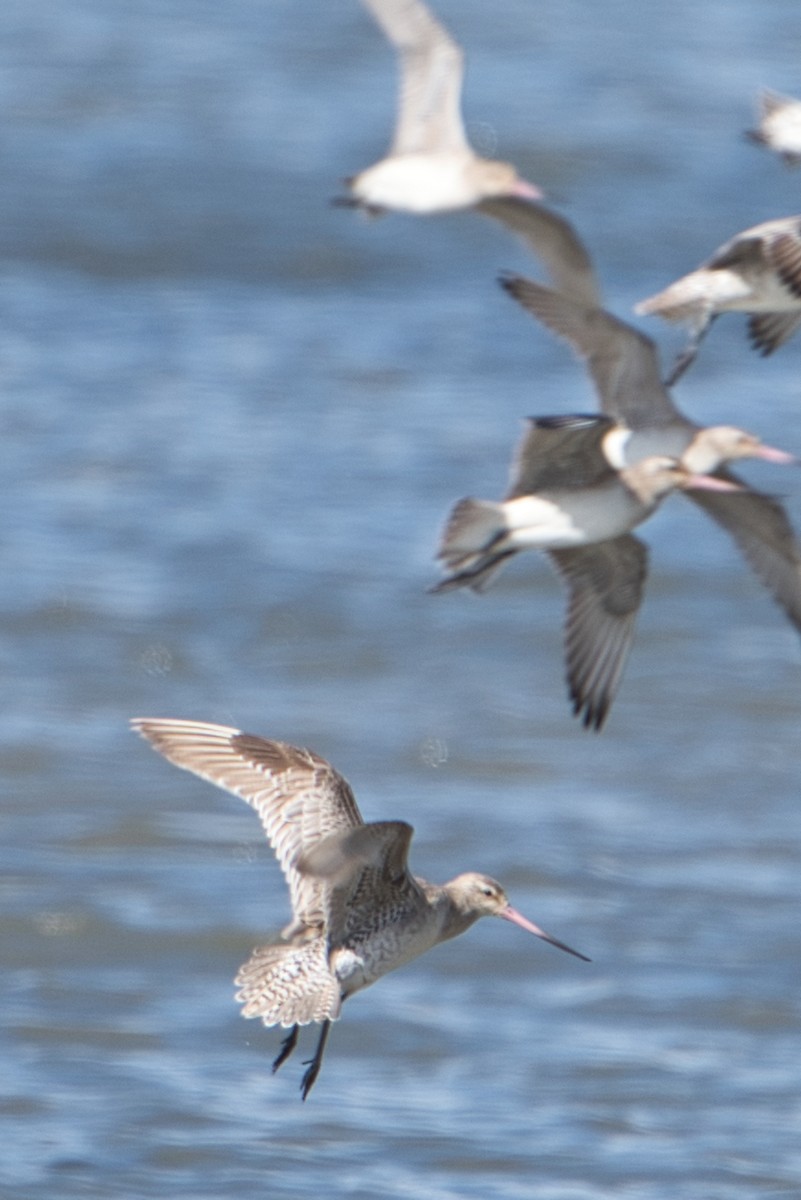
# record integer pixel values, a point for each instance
(454, 917)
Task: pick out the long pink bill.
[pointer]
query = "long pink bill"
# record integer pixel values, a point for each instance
(511, 914)
(527, 191)
(711, 483)
(772, 455)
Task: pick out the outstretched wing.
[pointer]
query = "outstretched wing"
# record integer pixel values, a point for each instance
(301, 800)
(763, 533)
(555, 243)
(605, 582)
(429, 109)
(622, 362)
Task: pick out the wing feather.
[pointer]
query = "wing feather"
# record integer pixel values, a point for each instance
(622, 362)
(605, 581)
(432, 70)
(299, 797)
(560, 452)
(764, 535)
(555, 243)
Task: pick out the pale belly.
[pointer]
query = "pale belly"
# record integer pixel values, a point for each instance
(572, 518)
(756, 291)
(416, 183)
(784, 129)
(767, 294)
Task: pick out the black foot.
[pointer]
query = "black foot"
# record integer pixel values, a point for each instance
(314, 1064)
(370, 210)
(309, 1077)
(287, 1046)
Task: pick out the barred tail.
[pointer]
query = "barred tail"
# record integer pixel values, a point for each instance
(289, 984)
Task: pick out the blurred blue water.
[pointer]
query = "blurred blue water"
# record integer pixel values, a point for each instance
(233, 419)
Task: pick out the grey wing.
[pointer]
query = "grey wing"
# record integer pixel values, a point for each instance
(299, 796)
(554, 241)
(560, 452)
(605, 582)
(742, 250)
(432, 69)
(784, 252)
(366, 875)
(768, 331)
(622, 362)
(763, 533)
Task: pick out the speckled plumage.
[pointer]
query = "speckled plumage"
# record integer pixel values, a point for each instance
(358, 912)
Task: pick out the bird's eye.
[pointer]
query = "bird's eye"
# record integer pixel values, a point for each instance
(487, 891)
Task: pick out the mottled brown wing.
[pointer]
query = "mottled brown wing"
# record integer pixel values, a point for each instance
(299, 796)
(622, 362)
(560, 452)
(368, 881)
(605, 583)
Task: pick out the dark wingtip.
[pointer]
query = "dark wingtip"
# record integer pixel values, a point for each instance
(592, 716)
(571, 420)
(509, 280)
(436, 589)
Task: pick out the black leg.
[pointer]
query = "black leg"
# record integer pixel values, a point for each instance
(371, 210)
(683, 361)
(287, 1046)
(689, 353)
(314, 1064)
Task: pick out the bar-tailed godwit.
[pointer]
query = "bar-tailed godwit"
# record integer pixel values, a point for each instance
(357, 910)
(624, 367)
(431, 167)
(567, 499)
(756, 272)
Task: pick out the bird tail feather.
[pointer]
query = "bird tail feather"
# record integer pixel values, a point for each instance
(289, 984)
(472, 544)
